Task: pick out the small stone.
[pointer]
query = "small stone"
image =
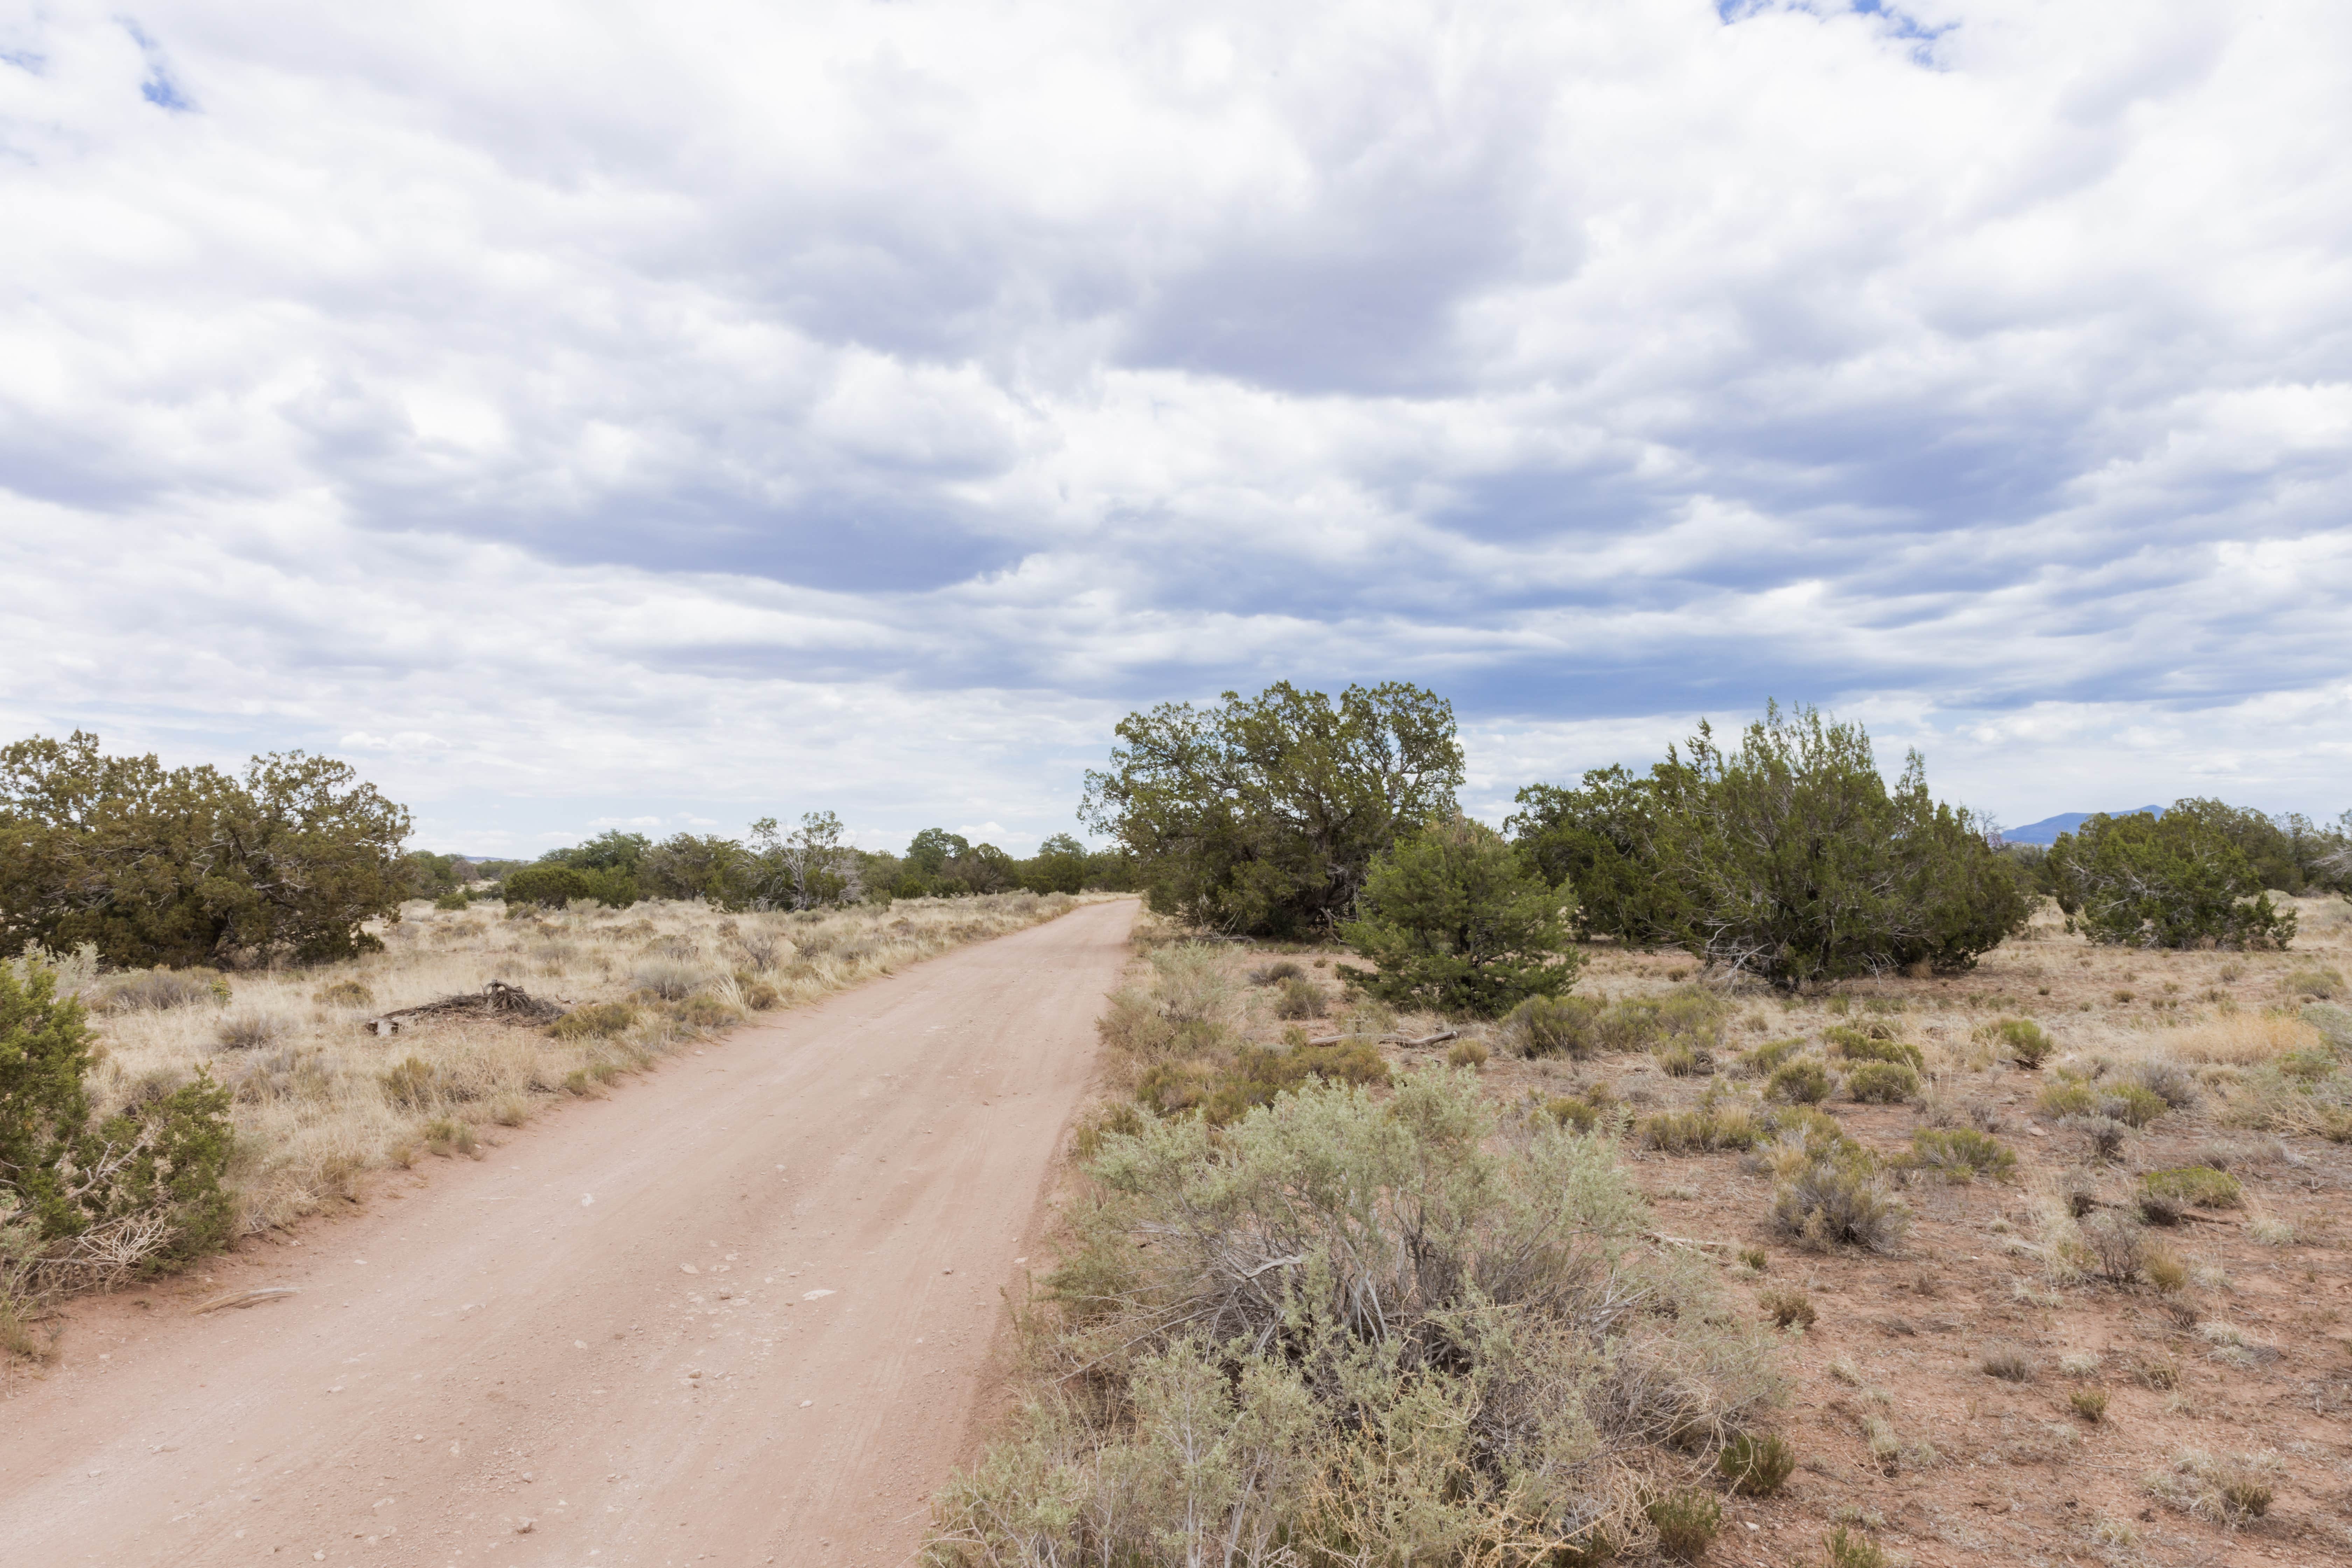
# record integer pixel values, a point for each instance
(526, 1527)
(806, 1403)
(687, 1269)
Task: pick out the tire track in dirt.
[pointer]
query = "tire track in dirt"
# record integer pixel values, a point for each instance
(739, 1314)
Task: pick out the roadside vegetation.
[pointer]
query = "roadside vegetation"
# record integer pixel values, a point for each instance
(2025, 1193)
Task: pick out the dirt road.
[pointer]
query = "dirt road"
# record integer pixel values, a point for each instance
(739, 1314)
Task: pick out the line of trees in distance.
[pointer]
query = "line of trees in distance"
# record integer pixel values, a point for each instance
(1785, 853)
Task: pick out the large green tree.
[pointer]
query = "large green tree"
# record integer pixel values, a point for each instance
(1602, 842)
(181, 866)
(1263, 815)
(1454, 920)
(2180, 880)
(1794, 861)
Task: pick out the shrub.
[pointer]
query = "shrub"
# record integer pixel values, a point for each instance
(1255, 1077)
(1962, 1153)
(249, 1031)
(411, 1084)
(670, 979)
(1299, 998)
(1454, 921)
(1788, 1309)
(95, 1204)
(1315, 1273)
(1836, 1198)
(2333, 1024)
(2199, 1184)
(446, 1136)
(2133, 1104)
(1855, 1045)
(158, 989)
(1686, 1520)
(2163, 882)
(1575, 1113)
(2067, 1097)
(1700, 1131)
(2024, 1042)
(2163, 1268)
(1275, 973)
(454, 901)
(593, 1021)
(1882, 1083)
(1467, 1054)
(1553, 1027)
(1799, 1082)
(2169, 1081)
(2116, 1246)
(1762, 1060)
(1757, 1465)
(2317, 980)
(344, 994)
(1846, 1548)
(1681, 1061)
(2225, 1488)
(2008, 1363)
(2104, 1134)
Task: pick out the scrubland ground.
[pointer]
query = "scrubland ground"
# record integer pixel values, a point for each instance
(2089, 1311)
(320, 1101)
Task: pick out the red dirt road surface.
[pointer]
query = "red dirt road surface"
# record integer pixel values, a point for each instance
(740, 1312)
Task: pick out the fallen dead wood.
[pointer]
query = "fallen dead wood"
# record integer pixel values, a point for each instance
(508, 1003)
(1410, 1042)
(240, 1299)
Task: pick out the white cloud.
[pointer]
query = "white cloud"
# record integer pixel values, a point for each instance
(694, 412)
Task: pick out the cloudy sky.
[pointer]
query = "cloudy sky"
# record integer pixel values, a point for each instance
(674, 414)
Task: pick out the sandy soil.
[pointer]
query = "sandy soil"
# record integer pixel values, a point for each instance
(740, 1313)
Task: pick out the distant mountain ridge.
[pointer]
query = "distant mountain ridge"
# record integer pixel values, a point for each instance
(2047, 830)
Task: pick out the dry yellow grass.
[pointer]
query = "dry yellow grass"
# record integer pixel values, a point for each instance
(320, 1101)
(2242, 1041)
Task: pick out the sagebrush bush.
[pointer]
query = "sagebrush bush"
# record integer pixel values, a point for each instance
(1962, 1153)
(596, 1020)
(1277, 971)
(1788, 1309)
(1384, 1319)
(2010, 1363)
(1701, 1131)
(2116, 1246)
(157, 989)
(2199, 1185)
(1757, 1465)
(2024, 1042)
(249, 1031)
(2104, 1134)
(1553, 1027)
(1254, 1076)
(344, 994)
(1300, 998)
(670, 979)
(2169, 1081)
(1800, 1082)
(1856, 1046)
(2132, 1104)
(1836, 1198)
(1761, 1061)
(2319, 980)
(1882, 1083)
(1846, 1548)
(1686, 1520)
(2090, 1403)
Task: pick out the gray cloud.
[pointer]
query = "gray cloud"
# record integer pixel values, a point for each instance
(682, 411)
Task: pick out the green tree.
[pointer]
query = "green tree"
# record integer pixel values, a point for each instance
(687, 866)
(1789, 858)
(982, 869)
(161, 1156)
(2178, 880)
(185, 866)
(1058, 867)
(1263, 814)
(1454, 920)
(926, 857)
(610, 850)
(809, 866)
(1601, 841)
